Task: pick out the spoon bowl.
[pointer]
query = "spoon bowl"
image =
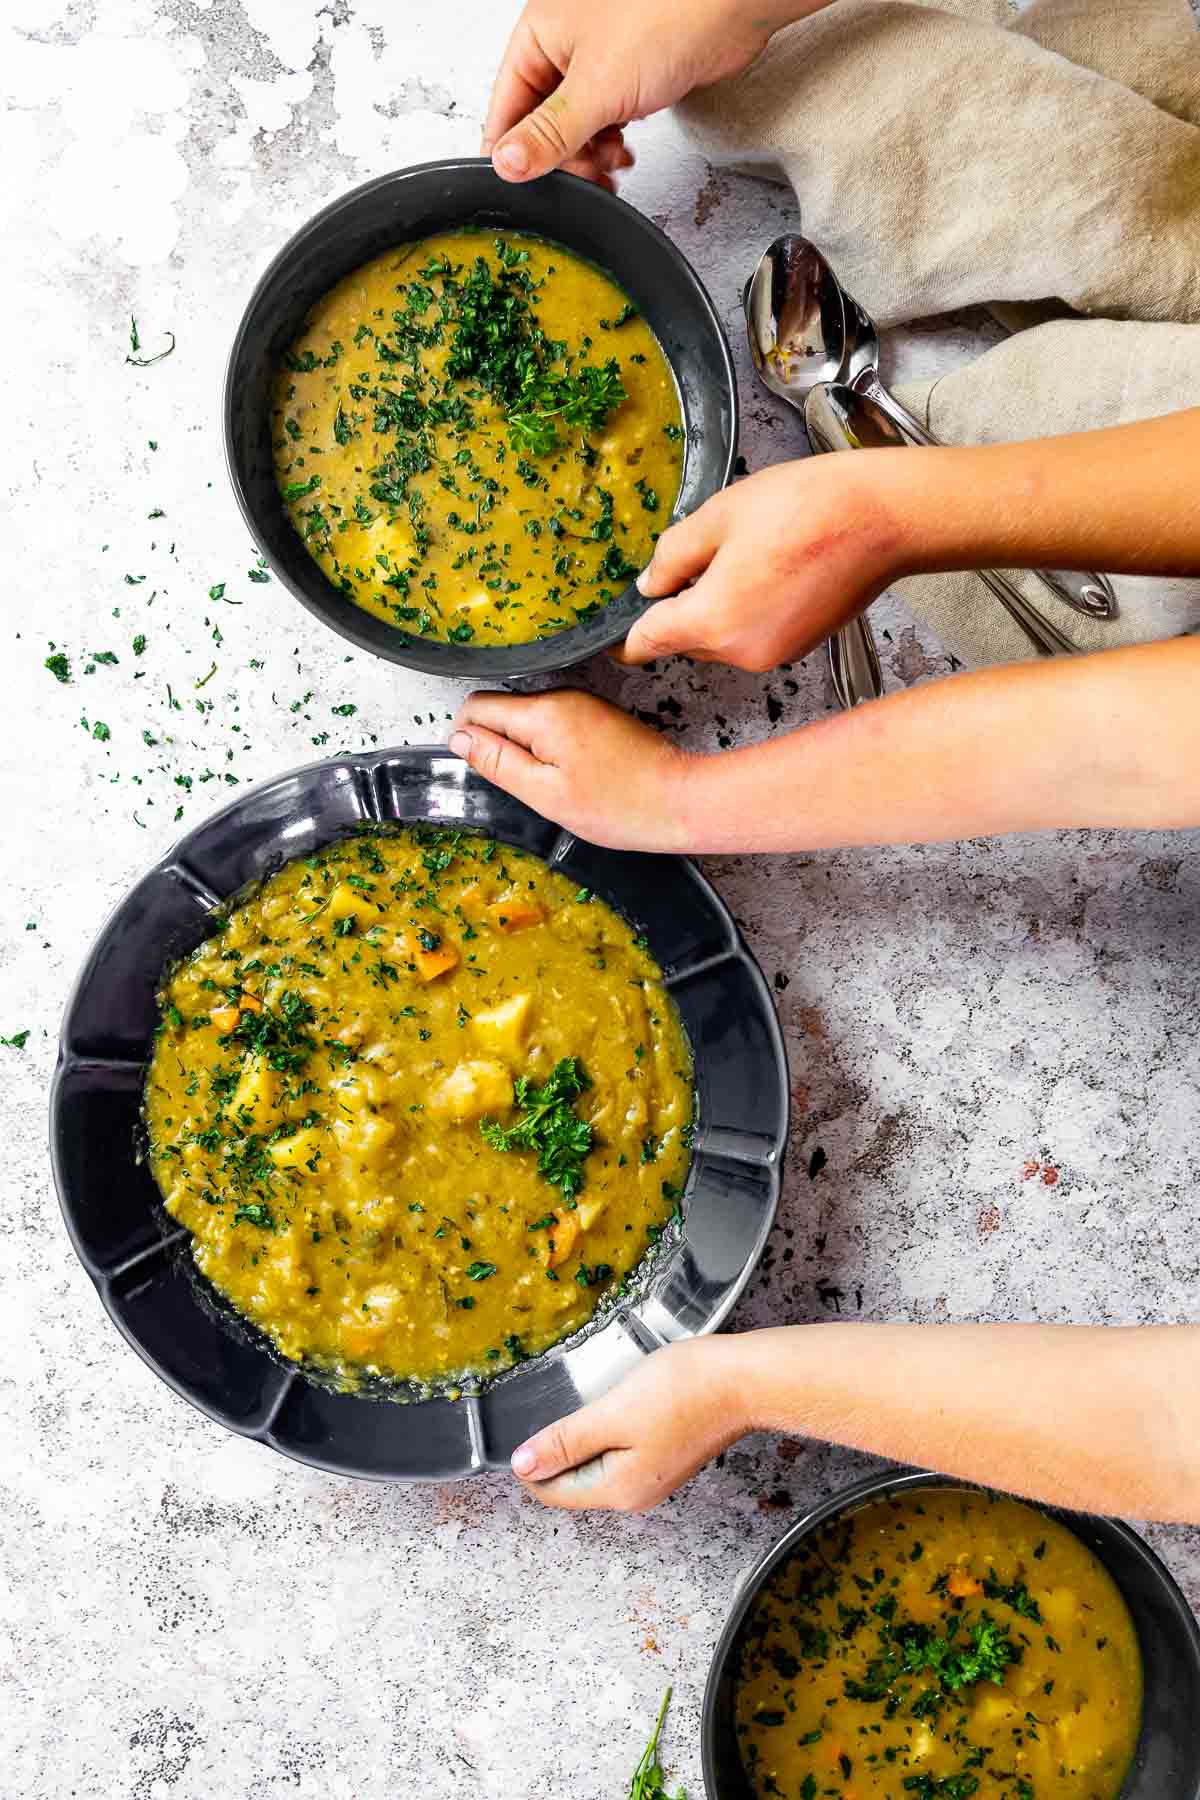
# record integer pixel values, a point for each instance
(795, 319)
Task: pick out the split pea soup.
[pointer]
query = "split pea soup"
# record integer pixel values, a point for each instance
(478, 438)
(423, 1104)
(936, 1646)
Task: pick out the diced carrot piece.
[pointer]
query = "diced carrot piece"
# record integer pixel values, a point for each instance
(963, 1585)
(250, 1003)
(561, 1240)
(430, 963)
(516, 914)
(224, 1019)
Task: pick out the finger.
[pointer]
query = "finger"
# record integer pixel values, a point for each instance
(566, 1444)
(557, 129)
(609, 154)
(588, 171)
(601, 1481)
(501, 762)
(514, 716)
(674, 627)
(525, 77)
(684, 550)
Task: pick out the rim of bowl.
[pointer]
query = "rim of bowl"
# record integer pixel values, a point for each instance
(508, 661)
(874, 1487)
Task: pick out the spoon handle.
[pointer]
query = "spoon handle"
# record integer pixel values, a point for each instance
(854, 664)
(1086, 592)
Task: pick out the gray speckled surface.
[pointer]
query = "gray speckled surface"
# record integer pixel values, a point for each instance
(183, 1616)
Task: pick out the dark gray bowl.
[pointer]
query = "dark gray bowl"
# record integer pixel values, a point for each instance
(139, 1258)
(1166, 1764)
(436, 197)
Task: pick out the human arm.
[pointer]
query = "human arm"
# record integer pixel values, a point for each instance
(575, 73)
(1111, 740)
(1105, 1419)
(781, 560)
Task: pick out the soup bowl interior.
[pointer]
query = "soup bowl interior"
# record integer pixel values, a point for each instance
(414, 203)
(1166, 1763)
(140, 1259)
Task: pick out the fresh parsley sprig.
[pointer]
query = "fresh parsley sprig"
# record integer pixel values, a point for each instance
(649, 1778)
(549, 1125)
(548, 402)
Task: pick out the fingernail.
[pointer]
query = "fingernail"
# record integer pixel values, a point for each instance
(524, 1460)
(512, 159)
(460, 743)
(643, 578)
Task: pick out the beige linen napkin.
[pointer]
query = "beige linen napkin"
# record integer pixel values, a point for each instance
(973, 154)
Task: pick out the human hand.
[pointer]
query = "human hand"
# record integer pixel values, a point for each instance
(637, 1444)
(777, 563)
(582, 762)
(575, 73)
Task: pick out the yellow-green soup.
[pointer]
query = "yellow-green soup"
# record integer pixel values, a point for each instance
(478, 438)
(939, 1646)
(422, 1103)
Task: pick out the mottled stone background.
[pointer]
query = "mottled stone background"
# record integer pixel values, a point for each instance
(994, 1044)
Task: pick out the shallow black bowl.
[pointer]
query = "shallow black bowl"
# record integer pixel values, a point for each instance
(140, 1260)
(1166, 1764)
(442, 196)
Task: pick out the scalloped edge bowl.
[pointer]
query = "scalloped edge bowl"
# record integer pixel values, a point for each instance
(139, 1260)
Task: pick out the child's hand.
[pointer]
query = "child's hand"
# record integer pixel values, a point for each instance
(637, 1444)
(778, 563)
(581, 762)
(574, 73)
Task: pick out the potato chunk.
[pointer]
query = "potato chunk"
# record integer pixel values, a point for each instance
(504, 1028)
(256, 1093)
(346, 902)
(294, 1152)
(472, 1089)
(364, 1138)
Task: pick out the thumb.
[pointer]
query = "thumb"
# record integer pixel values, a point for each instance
(567, 1443)
(673, 627)
(500, 761)
(557, 129)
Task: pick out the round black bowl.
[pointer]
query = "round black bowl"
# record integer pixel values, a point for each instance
(140, 1259)
(1166, 1764)
(442, 196)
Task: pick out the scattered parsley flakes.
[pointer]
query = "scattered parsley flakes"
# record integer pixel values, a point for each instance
(59, 666)
(19, 1039)
(144, 362)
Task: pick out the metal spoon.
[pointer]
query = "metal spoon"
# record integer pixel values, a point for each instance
(789, 352)
(854, 350)
(840, 417)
